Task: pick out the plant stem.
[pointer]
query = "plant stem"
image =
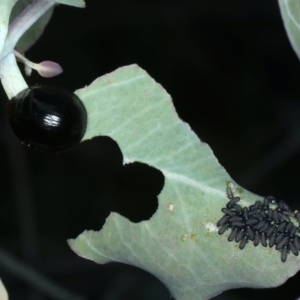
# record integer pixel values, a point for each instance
(24, 21)
(11, 77)
(6, 7)
(23, 59)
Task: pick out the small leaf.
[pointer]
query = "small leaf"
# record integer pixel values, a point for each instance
(35, 31)
(290, 12)
(48, 68)
(180, 244)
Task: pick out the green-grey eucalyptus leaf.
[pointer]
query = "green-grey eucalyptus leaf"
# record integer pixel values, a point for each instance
(290, 12)
(180, 243)
(35, 31)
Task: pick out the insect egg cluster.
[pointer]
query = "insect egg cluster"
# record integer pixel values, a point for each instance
(269, 223)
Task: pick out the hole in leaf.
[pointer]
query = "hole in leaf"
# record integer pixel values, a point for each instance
(88, 182)
(137, 189)
(98, 183)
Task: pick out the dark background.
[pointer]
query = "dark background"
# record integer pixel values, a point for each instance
(234, 78)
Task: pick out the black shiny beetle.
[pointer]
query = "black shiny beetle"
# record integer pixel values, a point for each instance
(47, 118)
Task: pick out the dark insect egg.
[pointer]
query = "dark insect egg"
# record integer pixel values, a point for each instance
(245, 213)
(270, 214)
(263, 239)
(255, 211)
(259, 217)
(239, 235)
(256, 238)
(250, 233)
(243, 242)
(284, 253)
(276, 216)
(293, 232)
(297, 242)
(283, 206)
(47, 118)
(293, 249)
(270, 231)
(282, 226)
(228, 212)
(284, 217)
(289, 213)
(235, 219)
(289, 227)
(278, 238)
(260, 225)
(223, 220)
(272, 240)
(282, 243)
(256, 205)
(232, 235)
(229, 193)
(265, 203)
(233, 202)
(237, 208)
(265, 228)
(251, 222)
(223, 228)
